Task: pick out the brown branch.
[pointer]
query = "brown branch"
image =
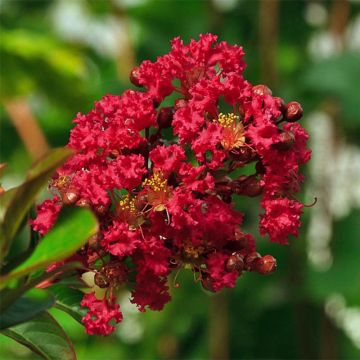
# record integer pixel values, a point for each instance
(219, 327)
(268, 40)
(126, 57)
(339, 17)
(27, 127)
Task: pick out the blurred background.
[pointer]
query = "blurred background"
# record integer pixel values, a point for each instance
(58, 57)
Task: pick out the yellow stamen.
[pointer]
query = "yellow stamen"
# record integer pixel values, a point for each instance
(61, 181)
(156, 182)
(227, 120)
(234, 133)
(157, 190)
(192, 251)
(127, 204)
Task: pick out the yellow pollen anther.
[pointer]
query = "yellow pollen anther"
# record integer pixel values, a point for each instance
(193, 252)
(61, 181)
(227, 120)
(156, 182)
(233, 131)
(127, 203)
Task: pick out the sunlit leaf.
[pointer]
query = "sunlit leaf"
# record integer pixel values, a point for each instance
(15, 203)
(73, 228)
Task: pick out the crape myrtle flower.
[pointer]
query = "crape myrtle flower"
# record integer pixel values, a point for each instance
(166, 202)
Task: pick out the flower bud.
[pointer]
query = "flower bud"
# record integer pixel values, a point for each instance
(207, 283)
(101, 209)
(251, 259)
(250, 186)
(83, 203)
(135, 75)
(165, 116)
(243, 154)
(101, 281)
(70, 196)
(293, 111)
(280, 103)
(261, 90)
(266, 265)
(286, 141)
(114, 154)
(173, 263)
(235, 262)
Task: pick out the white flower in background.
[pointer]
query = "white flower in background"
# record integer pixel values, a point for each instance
(335, 180)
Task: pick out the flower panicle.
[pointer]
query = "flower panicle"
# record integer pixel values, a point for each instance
(165, 205)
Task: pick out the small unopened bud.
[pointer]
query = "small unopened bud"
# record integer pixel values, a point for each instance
(101, 209)
(114, 153)
(287, 140)
(83, 203)
(261, 90)
(250, 260)
(101, 281)
(293, 111)
(165, 116)
(280, 103)
(173, 263)
(70, 196)
(235, 262)
(243, 154)
(135, 75)
(180, 103)
(266, 265)
(250, 186)
(207, 283)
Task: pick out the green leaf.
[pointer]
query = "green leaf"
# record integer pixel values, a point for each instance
(15, 203)
(5, 200)
(26, 307)
(30, 58)
(44, 336)
(39, 46)
(49, 162)
(72, 230)
(68, 300)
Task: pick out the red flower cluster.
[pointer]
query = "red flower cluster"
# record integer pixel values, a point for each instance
(159, 178)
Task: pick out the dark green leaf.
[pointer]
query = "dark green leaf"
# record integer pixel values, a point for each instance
(68, 300)
(26, 307)
(44, 336)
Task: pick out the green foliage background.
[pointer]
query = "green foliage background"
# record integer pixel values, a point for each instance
(281, 316)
